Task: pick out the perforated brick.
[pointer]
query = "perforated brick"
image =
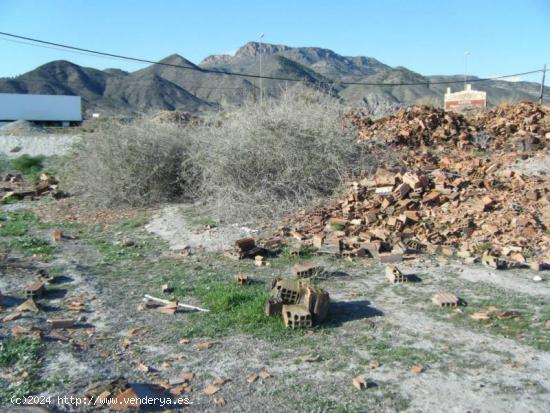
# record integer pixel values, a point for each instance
(305, 270)
(394, 276)
(317, 302)
(445, 300)
(288, 291)
(296, 316)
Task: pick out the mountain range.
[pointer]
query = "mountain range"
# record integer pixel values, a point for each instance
(113, 91)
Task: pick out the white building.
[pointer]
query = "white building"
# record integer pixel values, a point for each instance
(465, 100)
(40, 108)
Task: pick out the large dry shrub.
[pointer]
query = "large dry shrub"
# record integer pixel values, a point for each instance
(249, 162)
(134, 164)
(262, 161)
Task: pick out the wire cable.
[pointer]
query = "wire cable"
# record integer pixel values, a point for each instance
(251, 75)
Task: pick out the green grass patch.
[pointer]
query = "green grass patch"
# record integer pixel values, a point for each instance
(14, 234)
(30, 245)
(17, 223)
(196, 217)
(528, 328)
(338, 227)
(21, 355)
(19, 351)
(234, 309)
(29, 166)
(113, 252)
(524, 328)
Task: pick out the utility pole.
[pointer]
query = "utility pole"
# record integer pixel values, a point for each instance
(261, 91)
(542, 84)
(466, 54)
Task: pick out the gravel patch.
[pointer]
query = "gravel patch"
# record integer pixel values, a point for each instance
(48, 145)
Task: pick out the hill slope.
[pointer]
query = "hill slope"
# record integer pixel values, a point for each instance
(164, 87)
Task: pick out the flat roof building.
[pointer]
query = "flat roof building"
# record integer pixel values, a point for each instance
(40, 108)
(467, 100)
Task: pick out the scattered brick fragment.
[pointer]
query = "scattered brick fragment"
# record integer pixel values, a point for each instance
(445, 300)
(394, 275)
(360, 383)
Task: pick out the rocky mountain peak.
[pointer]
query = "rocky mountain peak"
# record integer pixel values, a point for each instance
(253, 49)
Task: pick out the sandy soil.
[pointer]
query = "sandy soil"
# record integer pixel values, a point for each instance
(172, 225)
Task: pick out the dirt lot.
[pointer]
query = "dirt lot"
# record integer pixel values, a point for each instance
(417, 357)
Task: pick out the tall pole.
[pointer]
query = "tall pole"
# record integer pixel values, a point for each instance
(466, 54)
(261, 91)
(542, 84)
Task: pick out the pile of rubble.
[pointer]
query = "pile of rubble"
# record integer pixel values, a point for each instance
(415, 126)
(427, 126)
(175, 117)
(301, 304)
(526, 123)
(16, 188)
(471, 209)
(440, 196)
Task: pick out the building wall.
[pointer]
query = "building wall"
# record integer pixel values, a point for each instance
(465, 100)
(47, 108)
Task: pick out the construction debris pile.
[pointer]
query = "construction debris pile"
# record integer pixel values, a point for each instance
(442, 196)
(526, 123)
(415, 126)
(427, 126)
(301, 304)
(175, 117)
(16, 188)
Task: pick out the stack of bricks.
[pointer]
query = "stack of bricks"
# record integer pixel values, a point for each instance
(300, 304)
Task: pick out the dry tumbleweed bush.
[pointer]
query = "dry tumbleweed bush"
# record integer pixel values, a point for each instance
(262, 161)
(129, 164)
(244, 163)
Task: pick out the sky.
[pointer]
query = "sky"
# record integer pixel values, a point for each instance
(427, 36)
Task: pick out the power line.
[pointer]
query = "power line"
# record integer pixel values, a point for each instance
(59, 49)
(251, 75)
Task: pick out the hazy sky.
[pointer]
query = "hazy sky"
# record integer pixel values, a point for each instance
(430, 37)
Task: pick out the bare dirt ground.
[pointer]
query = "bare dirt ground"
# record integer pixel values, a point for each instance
(182, 228)
(374, 329)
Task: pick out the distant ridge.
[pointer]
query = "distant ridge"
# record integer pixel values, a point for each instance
(170, 88)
